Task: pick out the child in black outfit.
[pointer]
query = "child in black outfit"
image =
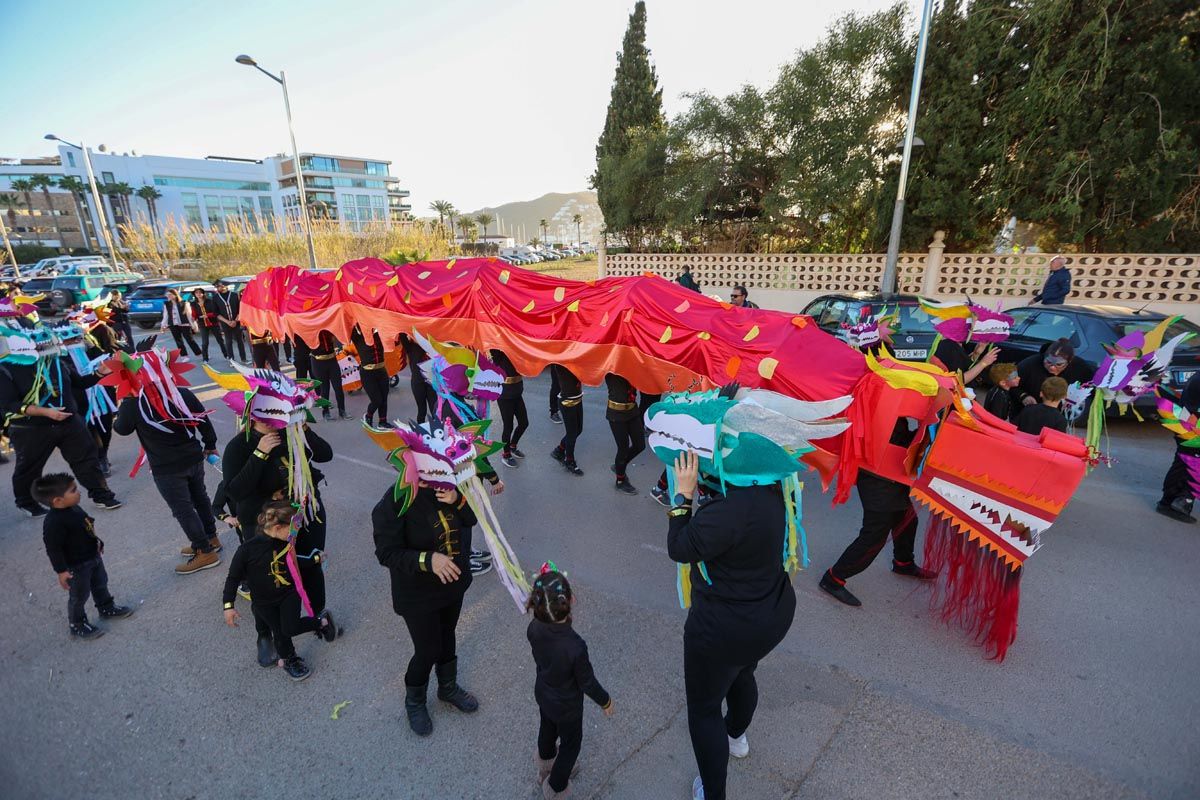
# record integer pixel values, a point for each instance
(261, 561)
(564, 676)
(1045, 414)
(998, 400)
(74, 551)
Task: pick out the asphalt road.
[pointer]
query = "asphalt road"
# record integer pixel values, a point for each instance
(1097, 699)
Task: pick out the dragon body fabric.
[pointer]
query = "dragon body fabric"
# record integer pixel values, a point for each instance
(664, 338)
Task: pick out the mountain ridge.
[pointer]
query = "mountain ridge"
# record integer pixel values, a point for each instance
(557, 208)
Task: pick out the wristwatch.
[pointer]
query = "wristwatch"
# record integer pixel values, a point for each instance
(681, 500)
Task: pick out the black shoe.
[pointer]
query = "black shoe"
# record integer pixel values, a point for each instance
(480, 566)
(913, 571)
(343, 415)
(385, 424)
(266, 652)
(328, 631)
(556, 418)
(1171, 510)
(417, 711)
(34, 510)
(296, 669)
(109, 504)
(86, 630)
(573, 468)
(558, 454)
(115, 611)
(839, 592)
(516, 452)
(367, 421)
(325, 415)
(449, 691)
(508, 460)
(624, 486)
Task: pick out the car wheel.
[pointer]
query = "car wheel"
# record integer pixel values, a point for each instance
(146, 326)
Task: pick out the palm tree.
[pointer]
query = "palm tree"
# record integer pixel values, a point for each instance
(150, 194)
(578, 220)
(544, 225)
(484, 219)
(78, 189)
(468, 228)
(11, 203)
(535, 241)
(442, 207)
(25, 187)
(451, 214)
(44, 182)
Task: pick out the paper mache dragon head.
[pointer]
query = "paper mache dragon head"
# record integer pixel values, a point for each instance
(266, 396)
(1137, 362)
(152, 376)
(459, 372)
(870, 330)
(23, 341)
(960, 322)
(436, 453)
(91, 314)
(17, 306)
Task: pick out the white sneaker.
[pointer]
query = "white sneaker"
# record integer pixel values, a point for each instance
(739, 747)
(697, 789)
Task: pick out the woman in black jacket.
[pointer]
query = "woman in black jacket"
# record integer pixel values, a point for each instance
(177, 318)
(255, 473)
(738, 615)
(426, 549)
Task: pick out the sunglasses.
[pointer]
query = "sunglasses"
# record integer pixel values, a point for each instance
(1055, 362)
(736, 296)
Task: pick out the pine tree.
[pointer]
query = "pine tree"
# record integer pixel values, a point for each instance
(635, 106)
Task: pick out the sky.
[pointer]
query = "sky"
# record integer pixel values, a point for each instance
(476, 102)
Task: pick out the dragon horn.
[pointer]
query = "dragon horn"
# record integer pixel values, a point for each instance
(944, 310)
(230, 381)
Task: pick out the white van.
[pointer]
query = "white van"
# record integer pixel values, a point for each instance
(49, 267)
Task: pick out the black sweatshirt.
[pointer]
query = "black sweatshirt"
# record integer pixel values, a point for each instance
(569, 386)
(251, 482)
(368, 352)
(516, 388)
(259, 561)
(1033, 418)
(1032, 371)
(749, 606)
(620, 393)
(70, 537)
(175, 450)
(998, 402)
(327, 344)
(953, 356)
(16, 381)
(405, 544)
(416, 356)
(564, 672)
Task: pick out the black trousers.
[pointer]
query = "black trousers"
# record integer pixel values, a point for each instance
(877, 523)
(554, 389)
(630, 436)
(34, 445)
(102, 432)
(88, 579)
(312, 574)
(330, 377)
(265, 355)
(126, 332)
(283, 620)
(573, 422)
(303, 360)
(232, 334)
(212, 333)
(560, 739)
(182, 334)
(375, 384)
(432, 633)
(1176, 483)
(425, 398)
(708, 681)
(185, 495)
(513, 410)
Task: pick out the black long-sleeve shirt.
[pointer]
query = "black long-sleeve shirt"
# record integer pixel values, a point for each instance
(259, 561)
(564, 672)
(415, 354)
(749, 604)
(70, 537)
(250, 481)
(998, 402)
(514, 384)
(368, 352)
(1033, 418)
(227, 305)
(1032, 371)
(16, 383)
(620, 394)
(175, 449)
(327, 344)
(405, 544)
(569, 386)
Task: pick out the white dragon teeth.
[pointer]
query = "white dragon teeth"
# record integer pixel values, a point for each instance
(1000, 518)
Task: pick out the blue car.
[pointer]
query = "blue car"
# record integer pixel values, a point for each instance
(146, 301)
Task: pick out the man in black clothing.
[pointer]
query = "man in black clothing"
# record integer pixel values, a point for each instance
(513, 413)
(740, 297)
(373, 373)
(325, 370)
(48, 419)
(423, 394)
(628, 428)
(301, 353)
(571, 405)
(1057, 360)
(1177, 499)
(264, 351)
(227, 305)
(176, 453)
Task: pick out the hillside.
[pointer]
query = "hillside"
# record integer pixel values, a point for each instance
(557, 209)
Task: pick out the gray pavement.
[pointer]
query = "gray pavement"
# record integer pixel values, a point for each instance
(1097, 699)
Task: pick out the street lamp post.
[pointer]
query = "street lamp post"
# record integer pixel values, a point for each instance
(281, 79)
(893, 252)
(99, 211)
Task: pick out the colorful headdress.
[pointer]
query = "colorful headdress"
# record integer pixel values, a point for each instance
(961, 322)
(91, 314)
(1186, 425)
(447, 457)
(24, 344)
(870, 330)
(463, 378)
(744, 437)
(17, 306)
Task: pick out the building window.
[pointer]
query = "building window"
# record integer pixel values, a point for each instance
(319, 163)
(107, 177)
(319, 181)
(191, 210)
(266, 210)
(248, 216)
(70, 158)
(376, 168)
(212, 207)
(211, 183)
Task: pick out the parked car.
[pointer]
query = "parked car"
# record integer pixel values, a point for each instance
(912, 334)
(59, 265)
(146, 302)
(124, 287)
(68, 290)
(42, 286)
(235, 282)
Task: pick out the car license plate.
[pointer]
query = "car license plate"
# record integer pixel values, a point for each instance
(1182, 376)
(141, 305)
(912, 355)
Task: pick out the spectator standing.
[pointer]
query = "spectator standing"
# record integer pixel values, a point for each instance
(1057, 286)
(740, 297)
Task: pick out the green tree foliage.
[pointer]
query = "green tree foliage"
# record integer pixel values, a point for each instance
(634, 112)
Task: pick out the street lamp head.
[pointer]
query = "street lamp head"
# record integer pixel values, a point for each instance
(247, 60)
(51, 137)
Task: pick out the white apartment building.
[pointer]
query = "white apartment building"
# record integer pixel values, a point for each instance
(208, 193)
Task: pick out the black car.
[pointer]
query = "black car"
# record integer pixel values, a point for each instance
(42, 286)
(1089, 328)
(912, 335)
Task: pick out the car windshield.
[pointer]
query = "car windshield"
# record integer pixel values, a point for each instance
(37, 285)
(1123, 327)
(150, 293)
(68, 283)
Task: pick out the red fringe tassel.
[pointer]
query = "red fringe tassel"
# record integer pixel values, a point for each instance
(974, 589)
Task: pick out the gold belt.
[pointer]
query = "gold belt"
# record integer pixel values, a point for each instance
(615, 406)
(373, 366)
(570, 403)
(266, 340)
(513, 379)
(328, 357)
